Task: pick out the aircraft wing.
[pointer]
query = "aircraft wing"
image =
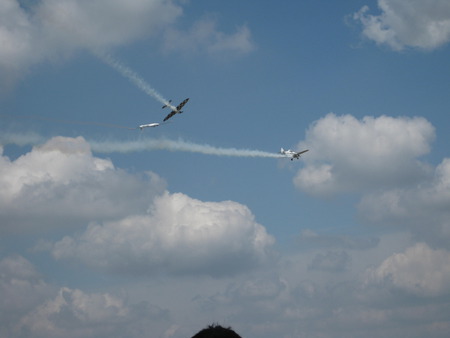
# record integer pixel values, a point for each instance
(301, 152)
(181, 105)
(172, 113)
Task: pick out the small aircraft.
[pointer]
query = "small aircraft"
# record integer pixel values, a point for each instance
(142, 126)
(175, 110)
(292, 154)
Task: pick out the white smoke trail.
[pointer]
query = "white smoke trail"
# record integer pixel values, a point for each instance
(134, 78)
(21, 140)
(140, 145)
(171, 145)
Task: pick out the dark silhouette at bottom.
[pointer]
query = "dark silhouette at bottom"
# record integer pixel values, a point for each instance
(216, 331)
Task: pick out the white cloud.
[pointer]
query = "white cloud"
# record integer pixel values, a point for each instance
(204, 36)
(179, 235)
(49, 29)
(21, 288)
(423, 208)
(103, 23)
(413, 23)
(32, 308)
(419, 270)
(347, 154)
(62, 184)
(289, 299)
(55, 29)
(300, 301)
(16, 34)
(75, 313)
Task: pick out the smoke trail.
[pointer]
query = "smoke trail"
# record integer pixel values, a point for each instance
(141, 145)
(171, 145)
(22, 139)
(134, 78)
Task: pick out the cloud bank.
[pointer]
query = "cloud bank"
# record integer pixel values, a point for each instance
(22, 288)
(347, 154)
(141, 228)
(422, 208)
(334, 285)
(32, 307)
(379, 160)
(413, 23)
(419, 270)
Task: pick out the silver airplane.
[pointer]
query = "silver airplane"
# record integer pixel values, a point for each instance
(292, 154)
(149, 125)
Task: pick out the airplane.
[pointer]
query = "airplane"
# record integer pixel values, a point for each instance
(142, 126)
(175, 110)
(292, 154)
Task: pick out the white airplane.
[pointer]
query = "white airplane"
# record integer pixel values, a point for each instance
(292, 154)
(142, 126)
(175, 110)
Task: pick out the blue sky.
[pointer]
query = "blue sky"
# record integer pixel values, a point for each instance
(351, 240)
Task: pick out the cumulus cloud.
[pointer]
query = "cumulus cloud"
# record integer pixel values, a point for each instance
(347, 154)
(424, 207)
(179, 235)
(414, 23)
(22, 288)
(61, 183)
(136, 226)
(31, 33)
(32, 307)
(51, 29)
(75, 313)
(419, 270)
(298, 297)
(103, 23)
(204, 36)
(74, 306)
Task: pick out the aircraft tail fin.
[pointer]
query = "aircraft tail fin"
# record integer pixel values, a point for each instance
(166, 105)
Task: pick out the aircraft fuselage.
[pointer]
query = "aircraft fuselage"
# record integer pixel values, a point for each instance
(292, 154)
(149, 125)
